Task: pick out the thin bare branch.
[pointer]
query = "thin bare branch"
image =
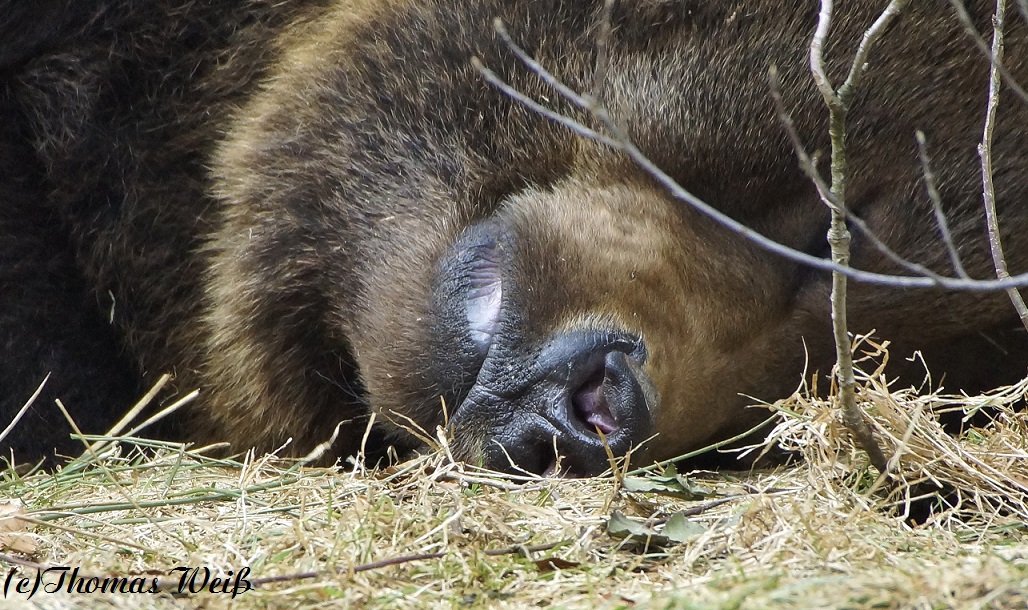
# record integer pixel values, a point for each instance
(833, 197)
(576, 126)
(806, 162)
(619, 141)
(523, 550)
(871, 36)
(173, 584)
(546, 76)
(817, 61)
(838, 232)
(602, 53)
(809, 167)
(936, 199)
(985, 152)
(983, 46)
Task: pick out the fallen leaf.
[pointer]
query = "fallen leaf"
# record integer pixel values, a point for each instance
(676, 530)
(679, 528)
(670, 483)
(554, 563)
(620, 526)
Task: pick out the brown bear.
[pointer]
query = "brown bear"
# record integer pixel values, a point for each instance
(318, 210)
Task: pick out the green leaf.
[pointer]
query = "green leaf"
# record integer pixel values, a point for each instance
(620, 526)
(675, 485)
(679, 528)
(694, 489)
(676, 530)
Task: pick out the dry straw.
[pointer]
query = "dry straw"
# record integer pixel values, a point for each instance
(825, 531)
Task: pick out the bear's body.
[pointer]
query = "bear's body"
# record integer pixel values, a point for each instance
(316, 210)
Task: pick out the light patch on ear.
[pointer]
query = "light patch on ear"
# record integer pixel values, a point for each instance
(485, 294)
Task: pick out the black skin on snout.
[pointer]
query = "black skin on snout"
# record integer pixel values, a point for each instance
(523, 403)
(585, 389)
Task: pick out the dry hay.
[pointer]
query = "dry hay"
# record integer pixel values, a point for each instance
(825, 532)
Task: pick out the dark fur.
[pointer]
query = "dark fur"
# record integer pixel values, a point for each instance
(271, 195)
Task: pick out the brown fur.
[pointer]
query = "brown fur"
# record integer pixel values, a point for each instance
(294, 190)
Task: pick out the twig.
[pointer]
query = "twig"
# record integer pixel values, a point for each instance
(871, 36)
(620, 141)
(936, 199)
(400, 560)
(602, 53)
(837, 102)
(169, 584)
(575, 126)
(983, 46)
(809, 167)
(985, 152)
